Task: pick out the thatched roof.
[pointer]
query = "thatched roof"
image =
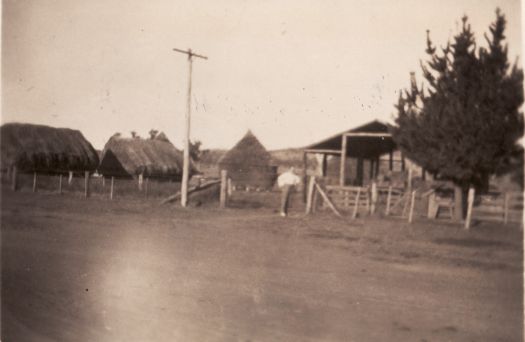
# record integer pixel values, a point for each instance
(248, 151)
(157, 157)
(45, 149)
(249, 164)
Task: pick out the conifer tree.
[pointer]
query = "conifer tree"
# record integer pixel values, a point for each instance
(465, 123)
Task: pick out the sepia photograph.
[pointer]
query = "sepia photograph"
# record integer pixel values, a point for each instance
(261, 170)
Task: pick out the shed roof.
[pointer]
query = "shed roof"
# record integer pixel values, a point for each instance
(46, 149)
(362, 146)
(248, 151)
(156, 157)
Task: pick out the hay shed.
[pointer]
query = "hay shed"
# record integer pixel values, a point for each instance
(249, 164)
(155, 157)
(366, 142)
(44, 149)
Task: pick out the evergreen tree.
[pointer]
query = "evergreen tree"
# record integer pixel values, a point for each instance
(195, 150)
(466, 125)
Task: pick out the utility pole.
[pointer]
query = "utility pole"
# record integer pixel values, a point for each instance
(186, 165)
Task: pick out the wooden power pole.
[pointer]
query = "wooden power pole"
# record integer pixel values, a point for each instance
(186, 165)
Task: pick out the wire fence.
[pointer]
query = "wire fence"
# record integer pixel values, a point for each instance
(95, 186)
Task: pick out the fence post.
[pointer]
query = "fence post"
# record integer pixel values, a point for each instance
(388, 199)
(141, 180)
(374, 198)
(314, 201)
(411, 212)
(224, 194)
(470, 204)
(14, 184)
(506, 209)
(357, 197)
(86, 184)
(229, 186)
(34, 181)
(310, 196)
(111, 188)
(431, 205)
(70, 179)
(60, 184)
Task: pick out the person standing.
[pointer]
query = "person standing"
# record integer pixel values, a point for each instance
(287, 182)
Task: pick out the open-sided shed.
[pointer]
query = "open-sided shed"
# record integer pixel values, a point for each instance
(366, 142)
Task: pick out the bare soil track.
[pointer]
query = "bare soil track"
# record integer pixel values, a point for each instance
(130, 270)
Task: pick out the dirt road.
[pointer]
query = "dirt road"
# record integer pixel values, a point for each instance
(77, 270)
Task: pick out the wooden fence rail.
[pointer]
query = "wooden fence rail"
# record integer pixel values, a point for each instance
(502, 207)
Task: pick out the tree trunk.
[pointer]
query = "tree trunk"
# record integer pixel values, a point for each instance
(458, 203)
(485, 184)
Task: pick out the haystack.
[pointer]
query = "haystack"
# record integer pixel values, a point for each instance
(45, 149)
(154, 157)
(249, 164)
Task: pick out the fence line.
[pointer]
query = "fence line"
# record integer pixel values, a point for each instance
(86, 185)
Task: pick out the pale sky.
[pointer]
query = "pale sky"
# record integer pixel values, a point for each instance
(292, 71)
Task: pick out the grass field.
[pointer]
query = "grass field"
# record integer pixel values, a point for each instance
(131, 270)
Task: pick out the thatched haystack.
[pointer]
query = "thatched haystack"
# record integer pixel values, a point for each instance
(45, 149)
(249, 164)
(155, 157)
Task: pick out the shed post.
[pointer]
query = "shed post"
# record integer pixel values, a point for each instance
(377, 163)
(391, 161)
(402, 162)
(323, 165)
(111, 188)
(359, 172)
(86, 184)
(371, 171)
(34, 181)
(60, 184)
(342, 176)
(14, 175)
(224, 189)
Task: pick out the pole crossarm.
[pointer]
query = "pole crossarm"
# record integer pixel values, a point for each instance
(364, 134)
(190, 53)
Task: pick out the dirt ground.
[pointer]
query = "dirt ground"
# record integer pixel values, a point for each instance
(131, 270)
